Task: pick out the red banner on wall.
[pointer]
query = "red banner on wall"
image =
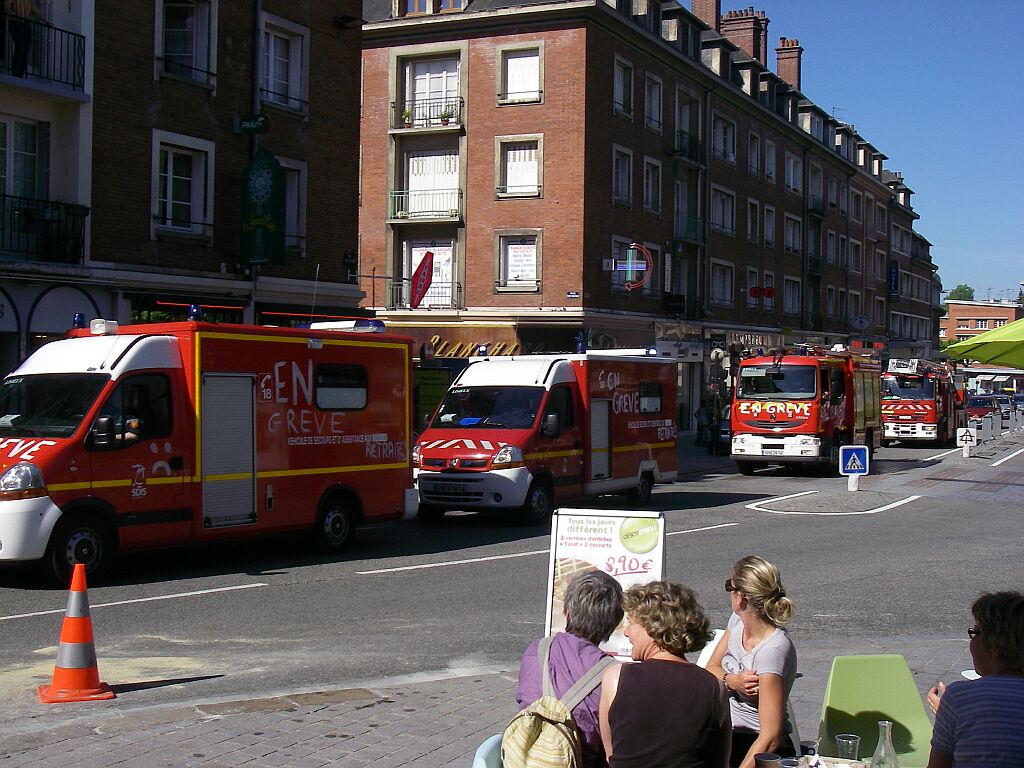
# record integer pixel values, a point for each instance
(421, 279)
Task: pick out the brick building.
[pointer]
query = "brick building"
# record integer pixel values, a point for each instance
(126, 203)
(528, 146)
(964, 319)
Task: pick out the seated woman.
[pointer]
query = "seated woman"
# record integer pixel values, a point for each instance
(665, 711)
(593, 609)
(757, 662)
(979, 722)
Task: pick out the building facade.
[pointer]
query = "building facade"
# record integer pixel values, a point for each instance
(127, 139)
(618, 175)
(965, 319)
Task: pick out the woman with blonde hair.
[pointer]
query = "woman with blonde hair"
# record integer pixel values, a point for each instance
(757, 661)
(665, 711)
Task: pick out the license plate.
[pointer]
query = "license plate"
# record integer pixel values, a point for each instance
(773, 451)
(447, 488)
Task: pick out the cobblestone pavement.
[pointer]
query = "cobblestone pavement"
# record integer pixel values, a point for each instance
(385, 723)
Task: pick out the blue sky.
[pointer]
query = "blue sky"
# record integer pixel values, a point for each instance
(938, 86)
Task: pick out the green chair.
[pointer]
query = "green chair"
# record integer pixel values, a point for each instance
(865, 689)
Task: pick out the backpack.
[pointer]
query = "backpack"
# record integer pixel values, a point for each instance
(544, 735)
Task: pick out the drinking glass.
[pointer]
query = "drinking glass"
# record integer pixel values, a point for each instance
(848, 746)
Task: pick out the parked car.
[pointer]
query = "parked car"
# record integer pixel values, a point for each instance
(1018, 400)
(1005, 406)
(980, 405)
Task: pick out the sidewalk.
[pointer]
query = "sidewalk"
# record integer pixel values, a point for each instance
(695, 459)
(383, 724)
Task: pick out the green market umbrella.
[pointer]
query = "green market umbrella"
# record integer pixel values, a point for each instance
(1001, 346)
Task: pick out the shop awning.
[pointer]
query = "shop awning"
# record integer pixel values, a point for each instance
(1000, 379)
(984, 377)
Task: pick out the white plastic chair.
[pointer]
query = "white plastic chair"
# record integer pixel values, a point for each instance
(488, 754)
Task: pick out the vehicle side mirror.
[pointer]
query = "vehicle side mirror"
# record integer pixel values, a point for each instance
(550, 426)
(102, 434)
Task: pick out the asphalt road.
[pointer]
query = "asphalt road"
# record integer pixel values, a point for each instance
(904, 556)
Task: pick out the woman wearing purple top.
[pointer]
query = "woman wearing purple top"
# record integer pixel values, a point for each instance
(593, 609)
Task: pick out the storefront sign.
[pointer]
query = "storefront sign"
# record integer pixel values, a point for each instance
(263, 215)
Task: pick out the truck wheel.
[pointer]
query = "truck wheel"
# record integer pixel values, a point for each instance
(745, 467)
(641, 495)
(430, 513)
(78, 538)
(336, 525)
(538, 505)
(832, 468)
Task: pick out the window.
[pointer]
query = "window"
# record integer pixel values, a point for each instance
(963, 323)
(519, 167)
(186, 39)
(843, 253)
(652, 103)
(722, 283)
(754, 154)
(431, 90)
(769, 291)
(623, 88)
(294, 202)
(652, 284)
(942, 333)
(560, 404)
(999, 323)
(856, 263)
(753, 219)
(141, 409)
(518, 261)
(793, 234)
(769, 226)
(752, 282)
(521, 76)
(620, 255)
(879, 311)
(855, 307)
(341, 387)
(856, 206)
(622, 176)
(650, 397)
(285, 63)
(830, 252)
(983, 324)
(880, 218)
(182, 183)
(830, 302)
(791, 296)
(652, 185)
(769, 161)
(794, 173)
(842, 305)
(24, 168)
(880, 266)
(441, 292)
(844, 193)
(723, 211)
(723, 139)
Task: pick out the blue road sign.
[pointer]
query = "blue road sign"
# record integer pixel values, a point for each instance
(853, 460)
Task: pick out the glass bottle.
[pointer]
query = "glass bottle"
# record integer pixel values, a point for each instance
(885, 752)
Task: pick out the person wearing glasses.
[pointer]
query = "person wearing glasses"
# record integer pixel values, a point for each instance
(664, 711)
(979, 722)
(757, 661)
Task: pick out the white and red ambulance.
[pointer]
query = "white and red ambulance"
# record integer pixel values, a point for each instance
(146, 436)
(524, 432)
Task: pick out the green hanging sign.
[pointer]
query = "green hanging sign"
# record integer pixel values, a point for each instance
(263, 216)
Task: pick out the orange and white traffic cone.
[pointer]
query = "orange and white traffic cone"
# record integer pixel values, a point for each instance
(76, 676)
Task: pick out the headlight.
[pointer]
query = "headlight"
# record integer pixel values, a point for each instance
(416, 455)
(508, 456)
(22, 481)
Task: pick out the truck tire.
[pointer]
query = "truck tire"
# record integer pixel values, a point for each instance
(538, 505)
(745, 467)
(78, 537)
(335, 525)
(430, 513)
(640, 496)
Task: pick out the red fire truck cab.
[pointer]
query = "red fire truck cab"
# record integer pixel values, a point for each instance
(150, 436)
(793, 409)
(920, 401)
(521, 433)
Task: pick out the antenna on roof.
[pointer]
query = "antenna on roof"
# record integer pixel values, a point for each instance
(841, 109)
(316, 281)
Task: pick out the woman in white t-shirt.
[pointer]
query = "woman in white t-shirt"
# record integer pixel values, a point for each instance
(757, 661)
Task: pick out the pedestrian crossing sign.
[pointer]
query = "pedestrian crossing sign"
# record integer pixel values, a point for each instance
(853, 460)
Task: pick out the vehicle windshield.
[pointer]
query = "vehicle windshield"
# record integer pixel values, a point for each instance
(47, 405)
(778, 382)
(489, 408)
(980, 402)
(907, 388)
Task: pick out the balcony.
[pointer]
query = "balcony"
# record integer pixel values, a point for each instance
(690, 229)
(816, 205)
(427, 114)
(689, 147)
(424, 205)
(440, 295)
(815, 265)
(41, 230)
(55, 57)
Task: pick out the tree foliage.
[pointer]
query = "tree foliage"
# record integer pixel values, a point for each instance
(962, 292)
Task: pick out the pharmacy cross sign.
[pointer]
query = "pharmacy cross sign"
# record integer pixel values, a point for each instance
(638, 260)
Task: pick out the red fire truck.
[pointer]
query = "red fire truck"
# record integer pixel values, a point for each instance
(920, 401)
(523, 432)
(799, 407)
(150, 436)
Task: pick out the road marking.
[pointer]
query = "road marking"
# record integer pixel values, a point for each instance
(140, 600)
(507, 557)
(1007, 458)
(756, 508)
(894, 504)
(944, 453)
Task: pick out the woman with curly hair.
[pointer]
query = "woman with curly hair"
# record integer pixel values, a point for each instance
(664, 711)
(757, 661)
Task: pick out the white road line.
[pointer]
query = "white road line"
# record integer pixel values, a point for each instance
(1007, 458)
(756, 508)
(140, 600)
(938, 456)
(895, 504)
(507, 557)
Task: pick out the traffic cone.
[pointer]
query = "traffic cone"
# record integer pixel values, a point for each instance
(76, 676)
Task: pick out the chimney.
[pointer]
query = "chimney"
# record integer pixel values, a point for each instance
(748, 30)
(709, 11)
(787, 62)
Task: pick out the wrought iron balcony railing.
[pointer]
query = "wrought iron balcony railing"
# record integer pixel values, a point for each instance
(427, 113)
(37, 51)
(41, 230)
(689, 147)
(445, 204)
(690, 228)
(816, 205)
(447, 294)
